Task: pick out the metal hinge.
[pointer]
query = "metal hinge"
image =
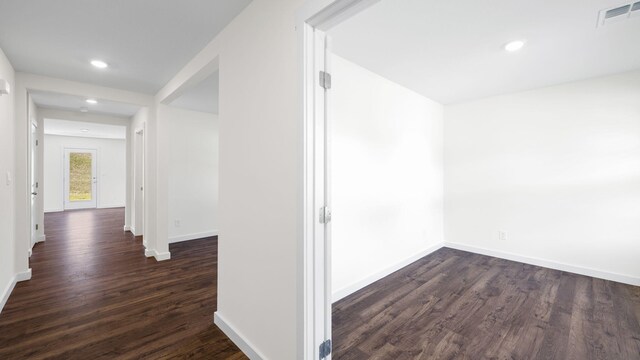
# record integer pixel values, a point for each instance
(325, 80)
(37, 226)
(36, 142)
(325, 349)
(325, 215)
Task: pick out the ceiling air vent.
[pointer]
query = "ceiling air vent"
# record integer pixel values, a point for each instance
(618, 13)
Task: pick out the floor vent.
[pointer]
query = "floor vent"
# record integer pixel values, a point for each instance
(619, 13)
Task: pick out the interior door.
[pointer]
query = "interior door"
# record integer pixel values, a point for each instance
(34, 182)
(80, 185)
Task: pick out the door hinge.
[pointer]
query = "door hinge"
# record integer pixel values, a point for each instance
(325, 215)
(37, 226)
(325, 80)
(325, 349)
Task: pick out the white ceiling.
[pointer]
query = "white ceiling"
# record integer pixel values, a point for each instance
(452, 51)
(93, 130)
(145, 42)
(74, 103)
(203, 97)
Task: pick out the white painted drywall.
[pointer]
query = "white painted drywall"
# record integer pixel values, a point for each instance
(557, 168)
(193, 174)
(387, 173)
(111, 168)
(261, 152)
(7, 239)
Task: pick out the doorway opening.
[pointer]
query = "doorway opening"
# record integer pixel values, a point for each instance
(80, 183)
(385, 91)
(81, 156)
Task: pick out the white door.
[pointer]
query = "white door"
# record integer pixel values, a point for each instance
(34, 183)
(80, 181)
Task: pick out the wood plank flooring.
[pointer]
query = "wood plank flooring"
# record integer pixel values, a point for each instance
(457, 305)
(95, 295)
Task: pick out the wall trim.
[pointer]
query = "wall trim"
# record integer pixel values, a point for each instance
(350, 289)
(580, 270)
(159, 256)
(195, 236)
(7, 292)
(240, 340)
(127, 228)
(23, 276)
(110, 206)
(41, 238)
(162, 256)
(54, 210)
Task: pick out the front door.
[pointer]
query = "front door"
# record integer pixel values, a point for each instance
(80, 183)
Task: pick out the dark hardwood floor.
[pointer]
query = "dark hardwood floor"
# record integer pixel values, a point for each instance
(457, 305)
(95, 295)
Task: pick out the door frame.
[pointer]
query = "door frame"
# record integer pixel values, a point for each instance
(66, 169)
(314, 20)
(34, 180)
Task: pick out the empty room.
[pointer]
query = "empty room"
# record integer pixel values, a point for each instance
(484, 181)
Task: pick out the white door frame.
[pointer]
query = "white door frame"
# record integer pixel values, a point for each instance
(34, 182)
(138, 181)
(93, 203)
(316, 247)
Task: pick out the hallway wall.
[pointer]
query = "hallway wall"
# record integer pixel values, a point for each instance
(7, 239)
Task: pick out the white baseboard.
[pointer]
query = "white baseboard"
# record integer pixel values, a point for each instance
(8, 289)
(195, 236)
(115, 206)
(350, 289)
(7, 292)
(127, 228)
(133, 230)
(159, 256)
(23, 276)
(247, 348)
(625, 279)
(54, 210)
(163, 256)
(41, 238)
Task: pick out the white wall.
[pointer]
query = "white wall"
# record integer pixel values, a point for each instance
(261, 169)
(387, 175)
(7, 239)
(111, 170)
(557, 168)
(193, 174)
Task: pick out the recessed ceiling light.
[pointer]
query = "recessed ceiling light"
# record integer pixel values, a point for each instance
(99, 64)
(514, 45)
(91, 101)
(84, 130)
